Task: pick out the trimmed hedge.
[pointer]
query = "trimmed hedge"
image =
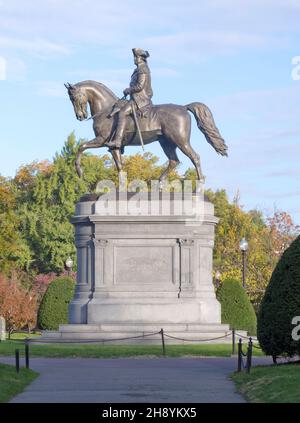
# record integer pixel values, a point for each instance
(54, 306)
(280, 304)
(237, 310)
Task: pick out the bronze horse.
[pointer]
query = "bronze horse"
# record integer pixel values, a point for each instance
(169, 124)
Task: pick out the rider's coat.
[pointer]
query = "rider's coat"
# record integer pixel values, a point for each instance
(140, 86)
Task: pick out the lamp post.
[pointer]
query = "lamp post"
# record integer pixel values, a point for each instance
(69, 265)
(244, 247)
(217, 279)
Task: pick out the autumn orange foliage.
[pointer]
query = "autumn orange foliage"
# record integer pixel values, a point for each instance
(17, 304)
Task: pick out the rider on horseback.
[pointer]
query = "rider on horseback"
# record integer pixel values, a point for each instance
(140, 92)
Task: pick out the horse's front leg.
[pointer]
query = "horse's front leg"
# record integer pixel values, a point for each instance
(116, 153)
(94, 143)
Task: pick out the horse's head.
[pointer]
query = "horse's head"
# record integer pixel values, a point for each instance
(79, 100)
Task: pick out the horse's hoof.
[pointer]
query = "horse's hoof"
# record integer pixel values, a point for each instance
(162, 185)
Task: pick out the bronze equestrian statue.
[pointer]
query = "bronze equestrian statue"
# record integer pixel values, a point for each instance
(116, 123)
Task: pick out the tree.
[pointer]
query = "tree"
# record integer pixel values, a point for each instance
(46, 215)
(237, 310)
(283, 231)
(17, 305)
(234, 224)
(14, 252)
(26, 174)
(280, 304)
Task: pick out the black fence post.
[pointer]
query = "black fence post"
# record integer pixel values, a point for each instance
(249, 355)
(17, 361)
(163, 342)
(233, 341)
(240, 346)
(27, 354)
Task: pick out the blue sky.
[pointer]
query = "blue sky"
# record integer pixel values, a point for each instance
(235, 56)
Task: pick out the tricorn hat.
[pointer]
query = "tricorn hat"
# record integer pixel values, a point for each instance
(139, 52)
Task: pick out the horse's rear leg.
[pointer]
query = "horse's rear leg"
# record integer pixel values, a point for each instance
(187, 149)
(170, 151)
(177, 129)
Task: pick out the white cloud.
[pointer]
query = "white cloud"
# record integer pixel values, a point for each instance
(196, 46)
(171, 27)
(39, 47)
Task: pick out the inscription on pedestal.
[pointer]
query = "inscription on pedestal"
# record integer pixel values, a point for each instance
(143, 265)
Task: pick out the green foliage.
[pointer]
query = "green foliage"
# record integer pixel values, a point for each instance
(237, 309)
(54, 307)
(280, 304)
(14, 252)
(45, 216)
(234, 224)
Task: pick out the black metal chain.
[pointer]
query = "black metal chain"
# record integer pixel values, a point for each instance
(197, 340)
(89, 341)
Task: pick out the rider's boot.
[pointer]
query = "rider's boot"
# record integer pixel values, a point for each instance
(117, 141)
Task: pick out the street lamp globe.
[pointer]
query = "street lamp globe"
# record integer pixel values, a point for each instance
(244, 245)
(217, 279)
(69, 263)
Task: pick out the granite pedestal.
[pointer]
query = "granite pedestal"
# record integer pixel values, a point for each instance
(140, 273)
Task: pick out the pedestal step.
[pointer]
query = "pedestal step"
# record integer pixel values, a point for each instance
(114, 334)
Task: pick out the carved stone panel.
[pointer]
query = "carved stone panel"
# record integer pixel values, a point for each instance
(148, 264)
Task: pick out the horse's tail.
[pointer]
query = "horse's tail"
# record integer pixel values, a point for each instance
(207, 126)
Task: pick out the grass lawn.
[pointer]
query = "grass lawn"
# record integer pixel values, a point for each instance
(12, 383)
(270, 384)
(113, 351)
(20, 336)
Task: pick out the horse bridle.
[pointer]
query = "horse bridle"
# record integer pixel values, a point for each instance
(79, 95)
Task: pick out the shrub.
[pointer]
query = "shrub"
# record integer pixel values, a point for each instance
(237, 310)
(280, 304)
(54, 306)
(42, 281)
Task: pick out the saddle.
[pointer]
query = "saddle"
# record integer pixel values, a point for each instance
(147, 117)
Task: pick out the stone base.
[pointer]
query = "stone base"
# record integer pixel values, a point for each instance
(187, 333)
(140, 273)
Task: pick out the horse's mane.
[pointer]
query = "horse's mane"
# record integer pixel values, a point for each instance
(97, 86)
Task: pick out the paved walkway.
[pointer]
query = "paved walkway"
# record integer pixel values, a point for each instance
(173, 380)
